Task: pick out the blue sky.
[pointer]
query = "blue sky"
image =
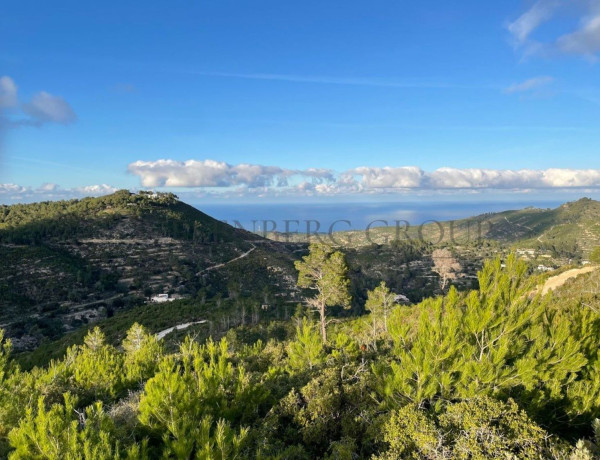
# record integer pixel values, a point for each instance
(246, 100)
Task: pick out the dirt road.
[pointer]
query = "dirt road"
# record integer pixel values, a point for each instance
(214, 267)
(558, 280)
(162, 334)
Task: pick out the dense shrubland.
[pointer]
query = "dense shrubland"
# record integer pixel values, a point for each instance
(500, 372)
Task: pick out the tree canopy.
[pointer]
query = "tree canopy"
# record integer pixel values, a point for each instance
(324, 271)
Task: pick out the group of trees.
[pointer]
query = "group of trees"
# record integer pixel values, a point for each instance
(324, 271)
(499, 372)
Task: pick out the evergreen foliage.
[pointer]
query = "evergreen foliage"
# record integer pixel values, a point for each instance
(499, 372)
(380, 302)
(324, 271)
(306, 351)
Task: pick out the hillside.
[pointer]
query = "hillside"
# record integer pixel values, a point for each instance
(401, 255)
(571, 228)
(248, 374)
(70, 262)
(494, 373)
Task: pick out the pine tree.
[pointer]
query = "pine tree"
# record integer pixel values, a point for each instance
(379, 302)
(502, 338)
(446, 266)
(9, 379)
(306, 351)
(595, 255)
(324, 271)
(143, 352)
(96, 368)
(171, 408)
(64, 433)
(479, 428)
(5, 350)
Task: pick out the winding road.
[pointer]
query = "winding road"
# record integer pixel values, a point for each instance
(214, 267)
(162, 334)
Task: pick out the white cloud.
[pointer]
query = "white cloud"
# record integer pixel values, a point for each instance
(8, 92)
(448, 178)
(363, 180)
(402, 177)
(260, 180)
(529, 85)
(528, 22)
(211, 173)
(206, 173)
(13, 193)
(11, 189)
(48, 187)
(474, 178)
(94, 190)
(585, 40)
(45, 107)
(42, 108)
(566, 178)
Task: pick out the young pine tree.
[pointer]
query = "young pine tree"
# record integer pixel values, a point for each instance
(307, 350)
(96, 368)
(143, 352)
(62, 433)
(379, 302)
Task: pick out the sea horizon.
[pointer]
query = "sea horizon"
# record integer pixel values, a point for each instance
(327, 217)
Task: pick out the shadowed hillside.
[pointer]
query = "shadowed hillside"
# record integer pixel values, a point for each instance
(70, 262)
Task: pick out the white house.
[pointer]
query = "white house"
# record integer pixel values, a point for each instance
(159, 298)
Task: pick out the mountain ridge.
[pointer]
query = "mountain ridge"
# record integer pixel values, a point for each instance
(571, 223)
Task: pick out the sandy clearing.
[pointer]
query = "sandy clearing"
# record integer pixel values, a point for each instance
(558, 280)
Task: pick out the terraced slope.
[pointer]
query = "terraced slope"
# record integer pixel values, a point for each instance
(66, 263)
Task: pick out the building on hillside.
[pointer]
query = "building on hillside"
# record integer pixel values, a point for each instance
(526, 252)
(160, 298)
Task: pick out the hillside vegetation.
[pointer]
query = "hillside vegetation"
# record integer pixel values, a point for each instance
(571, 229)
(68, 263)
(493, 373)
(472, 361)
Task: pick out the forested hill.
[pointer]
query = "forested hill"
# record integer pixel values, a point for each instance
(69, 262)
(570, 228)
(123, 214)
(574, 222)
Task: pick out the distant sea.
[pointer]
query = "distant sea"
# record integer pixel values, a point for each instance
(351, 216)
